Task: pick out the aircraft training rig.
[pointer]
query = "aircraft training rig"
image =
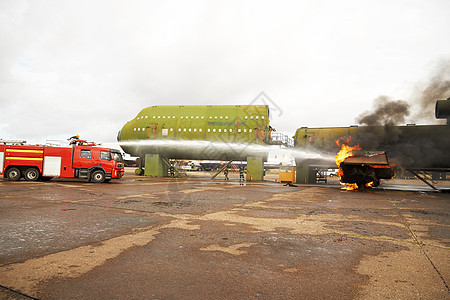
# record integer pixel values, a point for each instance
(231, 132)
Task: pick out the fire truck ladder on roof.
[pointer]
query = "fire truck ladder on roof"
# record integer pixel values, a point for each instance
(13, 142)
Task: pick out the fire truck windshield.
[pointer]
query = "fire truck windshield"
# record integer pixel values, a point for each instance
(117, 156)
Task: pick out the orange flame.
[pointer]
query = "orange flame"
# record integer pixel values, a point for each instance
(346, 151)
(349, 186)
(369, 185)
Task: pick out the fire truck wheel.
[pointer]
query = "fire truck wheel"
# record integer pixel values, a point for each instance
(31, 174)
(13, 174)
(98, 176)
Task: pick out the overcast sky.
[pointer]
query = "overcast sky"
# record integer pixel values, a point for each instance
(88, 67)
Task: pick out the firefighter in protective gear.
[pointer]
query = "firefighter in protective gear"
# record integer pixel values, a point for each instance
(225, 172)
(73, 140)
(241, 175)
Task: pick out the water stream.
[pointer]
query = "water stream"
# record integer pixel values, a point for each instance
(201, 150)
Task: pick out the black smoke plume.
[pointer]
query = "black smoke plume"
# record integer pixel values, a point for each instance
(437, 88)
(411, 147)
(387, 112)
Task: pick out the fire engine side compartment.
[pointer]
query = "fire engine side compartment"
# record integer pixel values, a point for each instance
(23, 156)
(2, 158)
(51, 161)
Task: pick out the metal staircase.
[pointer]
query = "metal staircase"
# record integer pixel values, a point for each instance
(281, 139)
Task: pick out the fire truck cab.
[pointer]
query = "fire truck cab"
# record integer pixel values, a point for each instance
(97, 164)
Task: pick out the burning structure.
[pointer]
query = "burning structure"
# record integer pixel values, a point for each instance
(358, 169)
(412, 147)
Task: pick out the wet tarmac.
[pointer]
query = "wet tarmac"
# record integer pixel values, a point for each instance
(195, 238)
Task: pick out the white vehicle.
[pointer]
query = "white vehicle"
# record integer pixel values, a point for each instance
(331, 172)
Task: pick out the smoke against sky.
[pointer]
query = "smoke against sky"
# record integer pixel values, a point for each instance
(88, 67)
(395, 112)
(438, 87)
(387, 112)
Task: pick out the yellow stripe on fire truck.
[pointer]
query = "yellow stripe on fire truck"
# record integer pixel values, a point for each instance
(25, 158)
(26, 151)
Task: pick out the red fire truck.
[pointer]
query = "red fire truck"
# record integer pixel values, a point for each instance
(81, 160)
